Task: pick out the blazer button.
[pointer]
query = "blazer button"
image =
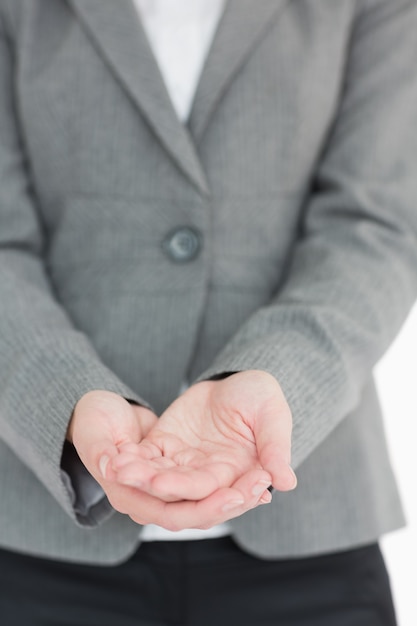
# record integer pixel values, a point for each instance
(182, 244)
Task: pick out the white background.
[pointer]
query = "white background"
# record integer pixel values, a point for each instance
(397, 382)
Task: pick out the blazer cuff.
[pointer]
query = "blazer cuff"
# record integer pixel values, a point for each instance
(89, 501)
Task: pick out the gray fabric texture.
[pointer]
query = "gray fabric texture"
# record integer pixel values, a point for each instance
(298, 169)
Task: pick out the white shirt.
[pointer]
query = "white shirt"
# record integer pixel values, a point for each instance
(180, 33)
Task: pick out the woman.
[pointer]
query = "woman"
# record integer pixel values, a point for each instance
(208, 238)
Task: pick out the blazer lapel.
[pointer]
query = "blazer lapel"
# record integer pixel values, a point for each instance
(119, 36)
(240, 28)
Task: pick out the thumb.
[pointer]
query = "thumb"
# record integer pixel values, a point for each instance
(273, 441)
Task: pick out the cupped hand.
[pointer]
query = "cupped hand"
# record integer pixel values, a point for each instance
(103, 422)
(214, 435)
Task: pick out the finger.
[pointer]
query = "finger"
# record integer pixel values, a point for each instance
(135, 463)
(273, 440)
(168, 481)
(128, 459)
(129, 448)
(99, 462)
(266, 497)
(108, 459)
(254, 488)
(187, 483)
(273, 460)
(165, 480)
(201, 514)
(219, 507)
(134, 472)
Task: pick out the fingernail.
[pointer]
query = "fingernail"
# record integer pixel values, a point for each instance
(260, 487)
(266, 498)
(104, 461)
(233, 504)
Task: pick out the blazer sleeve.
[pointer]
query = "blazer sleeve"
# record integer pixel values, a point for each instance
(353, 272)
(46, 365)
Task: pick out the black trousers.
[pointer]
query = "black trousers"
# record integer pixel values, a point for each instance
(198, 583)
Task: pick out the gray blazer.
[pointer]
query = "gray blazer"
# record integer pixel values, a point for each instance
(276, 231)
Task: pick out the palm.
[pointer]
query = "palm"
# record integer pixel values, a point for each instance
(191, 451)
(207, 439)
